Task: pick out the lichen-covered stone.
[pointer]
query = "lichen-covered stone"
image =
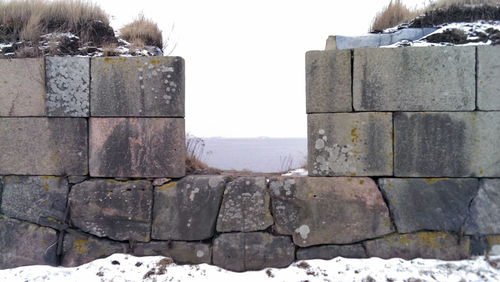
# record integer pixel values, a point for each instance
(188, 209)
(432, 245)
(494, 245)
(68, 86)
(24, 243)
(180, 252)
(138, 86)
(113, 209)
(39, 199)
(488, 72)
(350, 144)
(245, 206)
(428, 203)
(326, 210)
(137, 147)
(43, 146)
(252, 251)
(331, 251)
(484, 214)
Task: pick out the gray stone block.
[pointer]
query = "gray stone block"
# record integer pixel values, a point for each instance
(188, 209)
(447, 144)
(328, 81)
(120, 210)
(68, 86)
(138, 86)
(180, 252)
(39, 199)
(488, 72)
(252, 251)
(42, 146)
(327, 210)
(331, 251)
(414, 79)
(350, 144)
(484, 216)
(245, 206)
(74, 179)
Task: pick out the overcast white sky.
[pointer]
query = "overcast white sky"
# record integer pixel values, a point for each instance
(245, 72)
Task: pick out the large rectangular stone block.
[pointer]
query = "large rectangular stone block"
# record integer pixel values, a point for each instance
(328, 81)
(445, 144)
(43, 146)
(348, 144)
(137, 147)
(488, 72)
(414, 79)
(138, 86)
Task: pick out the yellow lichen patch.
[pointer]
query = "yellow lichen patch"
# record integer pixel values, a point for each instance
(403, 241)
(356, 153)
(45, 179)
(54, 220)
(122, 59)
(389, 185)
(268, 214)
(349, 179)
(355, 136)
(353, 174)
(361, 181)
(44, 241)
(434, 180)
(387, 222)
(46, 203)
(81, 245)
(481, 171)
(110, 192)
(167, 186)
(494, 240)
(108, 60)
(116, 181)
(431, 239)
(147, 238)
(478, 141)
(155, 61)
(5, 81)
(394, 201)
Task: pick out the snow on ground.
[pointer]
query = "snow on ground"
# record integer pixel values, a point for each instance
(296, 172)
(121, 267)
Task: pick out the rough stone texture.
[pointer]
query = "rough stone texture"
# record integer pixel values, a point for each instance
(39, 199)
(68, 86)
(462, 144)
(76, 179)
(188, 209)
(328, 81)
(484, 216)
(494, 245)
(332, 251)
(81, 248)
(42, 146)
(478, 245)
(428, 204)
(252, 251)
(24, 243)
(488, 72)
(180, 252)
(435, 245)
(414, 79)
(22, 87)
(245, 206)
(114, 209)
(325, 210)
(139, 86)
(137, 147)
(350, 144)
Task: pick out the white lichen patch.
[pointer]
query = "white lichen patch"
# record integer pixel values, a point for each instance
(193, 193)
(200, 254)
(303, 231)
(214, 182)
(334, 159)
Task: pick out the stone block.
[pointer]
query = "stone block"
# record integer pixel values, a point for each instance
(326, 210)
(494, 245)
(22, 87)
(24, 243)
(39, 199)
(350, 144)
(484, 214)
(414, 79)
(252, 251)
(120, 210)
(138, 86)
(137, 147)
(447, 144)
(75, 179)
(188, 209)
(331, 251)
(431, 204)
(180, 252)
(245, 206)
(430, 245)
(43, 146)
(328, 81)
(488, 72)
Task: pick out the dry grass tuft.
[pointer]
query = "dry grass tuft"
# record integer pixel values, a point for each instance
(142, 32)
(392, 15)
(447, 3)
(195, 151)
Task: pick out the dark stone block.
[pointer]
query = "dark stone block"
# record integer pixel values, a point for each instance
(484, 215)
(331, 251)
(180, 252)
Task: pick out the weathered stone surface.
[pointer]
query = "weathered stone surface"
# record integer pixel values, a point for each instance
(245, 206)
(252, 251)
(428, 204)
(81, 248)
(349, 144)
(188, 209)
(139, 86)
(488, 72)
(114, 209)
(414, 79)
(42, 146)
(332, 251)
(22, 87)
(328, 81)
(484, 215)
(494, 245)
(447, 144)
(478, 245)
(325, 210)
(39, 199)
(74, 179)
(23, 243)
(180, 252)
(137, 147)
(435, 245)
(68, 86)
(161, 181)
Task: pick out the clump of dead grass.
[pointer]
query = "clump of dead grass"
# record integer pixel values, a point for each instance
(195, 152)
(394, 14)
(142, 32)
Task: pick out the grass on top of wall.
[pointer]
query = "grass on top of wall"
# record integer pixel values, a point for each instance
(141, 32)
